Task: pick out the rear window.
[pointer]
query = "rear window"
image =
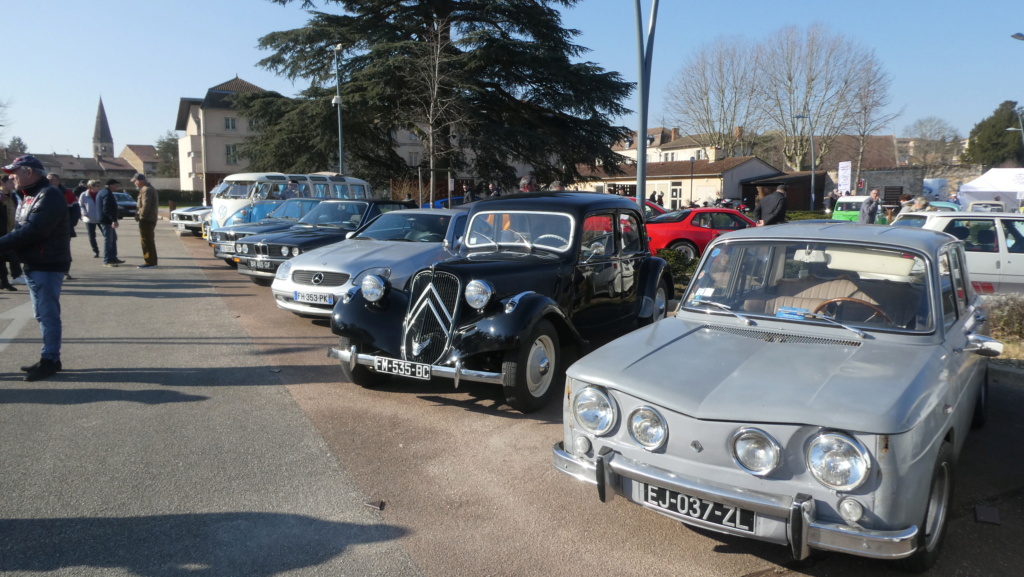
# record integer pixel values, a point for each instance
(914, 221)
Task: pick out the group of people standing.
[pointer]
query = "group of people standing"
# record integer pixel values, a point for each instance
(37, 220)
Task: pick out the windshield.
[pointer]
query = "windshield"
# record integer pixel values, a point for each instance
(344, 214)
(549, 230)
(252, 213)
(123, 197)
(677, 216)
(400, 225)
(858, 286)
(911, 220)
(294, 209)
(233, 189)
(848, 205)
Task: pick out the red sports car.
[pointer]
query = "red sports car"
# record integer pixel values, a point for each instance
(690, 230)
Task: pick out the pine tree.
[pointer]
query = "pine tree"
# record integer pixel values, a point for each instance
(991, 144)
(504, 85)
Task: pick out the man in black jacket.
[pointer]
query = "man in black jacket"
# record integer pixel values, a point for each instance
(108, 222)
(42, 241)
(772, 208)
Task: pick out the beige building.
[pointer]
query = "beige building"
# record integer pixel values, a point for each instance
(213, 132)
(664, 145)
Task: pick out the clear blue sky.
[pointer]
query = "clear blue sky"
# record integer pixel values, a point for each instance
(953, 60)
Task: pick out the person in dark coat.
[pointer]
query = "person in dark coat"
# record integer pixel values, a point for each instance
(108, 222)
(42, 241)
(772, 208)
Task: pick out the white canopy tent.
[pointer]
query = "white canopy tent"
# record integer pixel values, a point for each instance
(1005, 185)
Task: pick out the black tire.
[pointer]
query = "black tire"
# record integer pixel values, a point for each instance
(981, 406)
(660, 304)
(685, 248)
(231, 263)
(531, 375)
(932, 530)
(262, 281)
(359, 374)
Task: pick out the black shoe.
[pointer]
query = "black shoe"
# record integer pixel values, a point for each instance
(117, 261)
(111, 264)
(68, 277)
(43, 369)
(7, 286)
(147, 266)
(95, 255)
(36, 366)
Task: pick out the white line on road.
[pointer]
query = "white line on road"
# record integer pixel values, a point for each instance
(19, 315)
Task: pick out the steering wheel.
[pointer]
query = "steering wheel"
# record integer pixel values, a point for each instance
(554, 236)
(878, 311)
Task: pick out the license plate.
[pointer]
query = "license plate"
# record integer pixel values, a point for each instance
(314, 298)
(401, 368)
(261, 265)
(695, 508)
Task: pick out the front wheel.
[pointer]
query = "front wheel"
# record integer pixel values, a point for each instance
(932, 531)
(531, 374)
(231, 263)
(660, 304)
(359, 374)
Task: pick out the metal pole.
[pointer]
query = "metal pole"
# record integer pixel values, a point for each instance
(341, 142)
(812, 167)
(691, 178)
(645, 55)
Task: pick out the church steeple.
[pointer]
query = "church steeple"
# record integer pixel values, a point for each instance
(102, 141)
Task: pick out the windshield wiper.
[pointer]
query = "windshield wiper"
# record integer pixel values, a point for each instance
(822, 317)
(491, 240)
(725, 308)
(525, 241)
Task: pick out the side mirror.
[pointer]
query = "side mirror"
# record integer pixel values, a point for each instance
(984, 346)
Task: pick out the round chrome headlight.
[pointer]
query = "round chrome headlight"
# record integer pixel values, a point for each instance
(594, 410)
(242, 248)
(372, 288)
(479, 293)
(295, 251)
(285, 250)
(284, 270)
(647, 428)
(756, 451)
(838, 461)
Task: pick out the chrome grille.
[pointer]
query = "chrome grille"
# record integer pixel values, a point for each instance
(433, 308)
(331, 279)
(261, 249)
(773, 337)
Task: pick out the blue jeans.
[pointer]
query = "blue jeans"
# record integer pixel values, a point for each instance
(109, 243)
(44, 290)
(90, 227)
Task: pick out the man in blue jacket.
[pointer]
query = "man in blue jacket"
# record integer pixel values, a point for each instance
(108, 222)
(42, 241)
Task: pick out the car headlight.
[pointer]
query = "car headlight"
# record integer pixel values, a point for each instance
(756, 451)
(244, 249)
(381, 271)
(284, 270)
(478, 293)
(594, 410)
(838, 461)
(285, 250)
(296, 250)
(372, 288)
(647, 428)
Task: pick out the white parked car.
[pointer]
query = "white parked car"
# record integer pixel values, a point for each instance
(993, 243)
(189, 219)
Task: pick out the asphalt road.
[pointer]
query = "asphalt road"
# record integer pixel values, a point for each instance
(198, 430)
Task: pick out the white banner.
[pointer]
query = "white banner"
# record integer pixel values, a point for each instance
(844, 176)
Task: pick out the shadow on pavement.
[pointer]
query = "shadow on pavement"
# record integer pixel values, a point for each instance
(251, 544)
(83, 396)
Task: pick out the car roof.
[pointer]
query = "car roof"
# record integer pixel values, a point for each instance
(573, 202)
(436, 211)
(960, 214)
(923, 240)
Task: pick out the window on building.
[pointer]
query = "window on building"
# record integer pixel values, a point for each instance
(253, 124)
(231, 153)
(229, 123)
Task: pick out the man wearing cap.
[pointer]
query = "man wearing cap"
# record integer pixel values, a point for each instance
(147, 216)
(108, 222)
(42, 241)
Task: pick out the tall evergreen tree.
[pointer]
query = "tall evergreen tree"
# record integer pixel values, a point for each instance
(991, 144)
(503, 72)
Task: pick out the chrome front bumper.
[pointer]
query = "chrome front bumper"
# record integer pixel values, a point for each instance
(352, 358)
(803, 531)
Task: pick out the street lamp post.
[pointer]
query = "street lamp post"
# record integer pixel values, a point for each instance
(692, 158)
(337, 102)
(1021, 129)
(811, 125)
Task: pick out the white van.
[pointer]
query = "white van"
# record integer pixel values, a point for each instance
(238, 190)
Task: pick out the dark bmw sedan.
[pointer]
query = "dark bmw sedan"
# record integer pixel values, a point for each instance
(284, 216)
(259, 255)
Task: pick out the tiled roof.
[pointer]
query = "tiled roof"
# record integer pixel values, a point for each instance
(236, 84)
(145, 152)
